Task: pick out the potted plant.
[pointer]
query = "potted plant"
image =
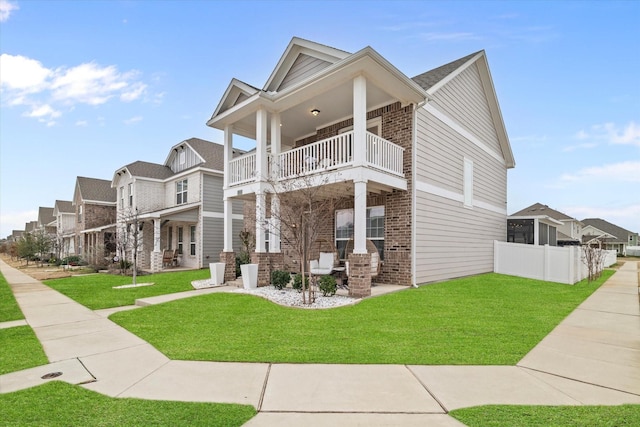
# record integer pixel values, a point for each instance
(248, 271)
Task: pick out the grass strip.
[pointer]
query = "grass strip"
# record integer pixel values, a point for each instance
(60, 404)
(9, 309)
(20, 349)
(489, 319)
(96, 291)
(565, 416)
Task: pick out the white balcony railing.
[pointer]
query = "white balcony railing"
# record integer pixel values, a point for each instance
(325, 155)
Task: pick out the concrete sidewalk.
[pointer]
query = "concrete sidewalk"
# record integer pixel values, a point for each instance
(593, 357)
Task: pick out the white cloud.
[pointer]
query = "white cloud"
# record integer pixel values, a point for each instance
(6, 7)
(571, 148)
(627, 217)
(26, 81)
(22, 74)
(133, 120)
(612, 133)
(43, 111)
(82, 123)
(628, 171)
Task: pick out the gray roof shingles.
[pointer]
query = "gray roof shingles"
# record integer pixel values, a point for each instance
(431, 78)
(149, 170)
(621, 234)
(98, 190)
(540, 209)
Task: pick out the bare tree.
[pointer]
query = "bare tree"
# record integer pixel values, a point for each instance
(128, 240)
(306, 205)
(593, 258)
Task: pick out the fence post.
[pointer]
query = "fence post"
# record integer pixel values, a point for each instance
(572, 262)
(496, 255)
(546, 264)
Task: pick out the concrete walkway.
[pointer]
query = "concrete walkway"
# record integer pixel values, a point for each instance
(592, 357)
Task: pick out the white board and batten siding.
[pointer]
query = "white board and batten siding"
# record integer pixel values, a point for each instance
(457, 222)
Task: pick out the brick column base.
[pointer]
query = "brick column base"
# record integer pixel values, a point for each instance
(359, 275)
(229, 259)
(264, 267)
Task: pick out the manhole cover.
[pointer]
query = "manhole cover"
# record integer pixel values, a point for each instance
(51, 375)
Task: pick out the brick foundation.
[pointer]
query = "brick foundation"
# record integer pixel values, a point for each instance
(359, 275)
(229, 259)
(267, 262)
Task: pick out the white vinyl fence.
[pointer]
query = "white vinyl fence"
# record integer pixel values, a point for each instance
(633, 251)
(550, 263)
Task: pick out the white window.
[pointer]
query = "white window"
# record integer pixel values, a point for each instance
(80, 213)
(180, 239)
(468, 183)
(192, 240)
(130, 194)
(374, 225)
(181, 192)
(122, 197)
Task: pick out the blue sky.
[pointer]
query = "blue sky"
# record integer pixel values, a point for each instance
(89, 86)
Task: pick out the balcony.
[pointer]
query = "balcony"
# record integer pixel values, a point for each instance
(320, 157)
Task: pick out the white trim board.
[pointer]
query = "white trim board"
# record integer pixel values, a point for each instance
(457, 197)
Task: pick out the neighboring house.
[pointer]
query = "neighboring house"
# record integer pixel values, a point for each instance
(424, 160)
(65, 215)
(538, 224)
(177, 205)
(613, 237)
(30, 227)
(94, 203)
(15, 235)
(46, 221)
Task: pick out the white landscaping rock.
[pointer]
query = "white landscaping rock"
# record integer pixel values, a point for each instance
(293, 298)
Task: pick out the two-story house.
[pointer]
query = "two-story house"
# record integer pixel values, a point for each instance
(176, 206)
(94, 204)
(423, 160)
(65, 215)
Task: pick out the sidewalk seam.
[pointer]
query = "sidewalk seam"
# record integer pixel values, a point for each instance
(264, 388)
(446, 411)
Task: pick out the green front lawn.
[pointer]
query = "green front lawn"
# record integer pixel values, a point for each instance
(9, 309)
(20, 349)
(489, 319)
(96, 291)
(60, 404)
(565, 416)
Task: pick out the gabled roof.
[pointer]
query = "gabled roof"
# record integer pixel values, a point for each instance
(430, 78)
(45, 216)
(621, 234)
(94, 190)
(63, 206)
(316, 56)
(211, 154)
(147, 170)
(236, 92)
(437, 78)
(540, 209)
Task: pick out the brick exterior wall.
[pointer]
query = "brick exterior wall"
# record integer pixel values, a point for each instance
(359, 275)
(229, 259)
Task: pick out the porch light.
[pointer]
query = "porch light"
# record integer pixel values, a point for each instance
(315, 111)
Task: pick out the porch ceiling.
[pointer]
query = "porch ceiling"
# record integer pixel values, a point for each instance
(335, 104)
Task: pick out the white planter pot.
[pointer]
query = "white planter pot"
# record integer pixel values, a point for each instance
(217, 272)
(249, 275)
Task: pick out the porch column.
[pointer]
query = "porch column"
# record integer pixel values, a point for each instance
(156, 234)
(227, 205)
(360, 217)
(228, 224)
(536, 232)
(261, 145)
(276, 145)
(274, 236)
(359, 120)
(260, 218)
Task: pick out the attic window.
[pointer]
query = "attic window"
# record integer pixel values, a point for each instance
(182, 157)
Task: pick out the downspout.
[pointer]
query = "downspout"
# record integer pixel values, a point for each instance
(414, 139)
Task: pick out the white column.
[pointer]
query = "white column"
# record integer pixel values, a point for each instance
(261, 144)
(536, 232)
(276, 144)
(227, 153)
(227, 205)
(260, 218)
(156, 235)
(359, 120)
(360, 217)
(228, 225)
(274, 236)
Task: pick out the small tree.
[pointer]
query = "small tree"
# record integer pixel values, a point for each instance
(129, 240)
(26, 247)
(305, 208)
(593, 258)
(43, 244)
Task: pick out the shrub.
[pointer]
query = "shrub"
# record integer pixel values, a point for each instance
(327, 285)
(297, 282)
(280, 279)
(242, 258)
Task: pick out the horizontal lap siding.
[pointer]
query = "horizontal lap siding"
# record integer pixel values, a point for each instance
(453, 241)
(464, 99)
(213, 238)
(303, 67)
(212, 194)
